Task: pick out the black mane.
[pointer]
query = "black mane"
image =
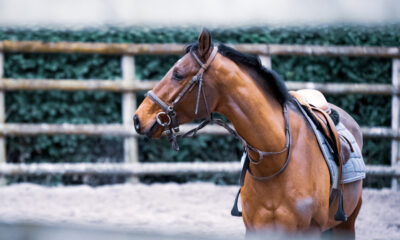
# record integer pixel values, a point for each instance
(274, 82)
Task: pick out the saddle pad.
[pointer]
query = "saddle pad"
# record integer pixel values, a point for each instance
(354, 169)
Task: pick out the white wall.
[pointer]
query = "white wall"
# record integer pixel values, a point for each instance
(81, 13)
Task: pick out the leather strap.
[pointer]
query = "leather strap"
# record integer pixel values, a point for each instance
(164, 106)
(198, 77)
(336, 145)
(246, 165)
(169, 109)
(235, 209)
(262, 154)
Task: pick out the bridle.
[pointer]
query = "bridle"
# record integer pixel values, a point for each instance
(168, 117)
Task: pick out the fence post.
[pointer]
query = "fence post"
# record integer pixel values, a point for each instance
(128, 109)
(395, 118)
(266, 61)
(2, 119)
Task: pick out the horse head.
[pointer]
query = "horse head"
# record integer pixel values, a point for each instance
(186, 92)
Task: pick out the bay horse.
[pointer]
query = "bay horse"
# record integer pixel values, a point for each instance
(256, 101)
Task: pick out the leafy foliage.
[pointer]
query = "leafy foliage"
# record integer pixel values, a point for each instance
(102, 107)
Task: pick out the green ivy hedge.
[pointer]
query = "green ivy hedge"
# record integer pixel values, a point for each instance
(103, 107)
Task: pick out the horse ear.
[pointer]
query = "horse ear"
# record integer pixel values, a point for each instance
(205, 43)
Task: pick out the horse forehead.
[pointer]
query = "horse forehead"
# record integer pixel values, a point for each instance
(185, 62)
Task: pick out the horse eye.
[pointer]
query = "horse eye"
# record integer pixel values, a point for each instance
(177, 76)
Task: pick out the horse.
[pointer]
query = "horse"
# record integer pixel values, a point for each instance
(294, 197)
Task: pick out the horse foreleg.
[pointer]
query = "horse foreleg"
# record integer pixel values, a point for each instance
(346, 230)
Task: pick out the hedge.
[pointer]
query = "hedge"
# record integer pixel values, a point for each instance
(102, 107)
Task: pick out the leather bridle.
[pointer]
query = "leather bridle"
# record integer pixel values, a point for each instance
(168, 118)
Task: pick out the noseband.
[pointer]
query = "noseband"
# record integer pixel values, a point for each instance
(168, 118)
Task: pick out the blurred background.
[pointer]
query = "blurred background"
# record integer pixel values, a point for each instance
(309, 22)
(77, 14)
(312, 22)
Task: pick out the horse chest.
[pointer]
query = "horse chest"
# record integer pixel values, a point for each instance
(275, 207)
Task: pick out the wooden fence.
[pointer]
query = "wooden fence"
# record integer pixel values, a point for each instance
(128, 86)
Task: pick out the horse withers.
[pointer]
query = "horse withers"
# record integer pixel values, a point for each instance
(288, 182)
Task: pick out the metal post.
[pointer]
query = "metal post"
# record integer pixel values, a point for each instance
(395, 118)
(128, 110)
(266, 61)
(2, 120)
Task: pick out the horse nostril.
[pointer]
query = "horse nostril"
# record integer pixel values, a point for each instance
(136, 122)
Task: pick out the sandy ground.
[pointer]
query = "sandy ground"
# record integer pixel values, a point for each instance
(199, 208)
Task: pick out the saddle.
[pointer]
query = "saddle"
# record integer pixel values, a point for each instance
(326, 119)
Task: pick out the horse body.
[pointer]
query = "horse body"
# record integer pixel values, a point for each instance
(298, 198)
(294, 199)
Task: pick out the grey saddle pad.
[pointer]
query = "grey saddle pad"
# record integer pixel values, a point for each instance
(354, 169)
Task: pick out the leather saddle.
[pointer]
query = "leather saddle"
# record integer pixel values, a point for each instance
(319, 110)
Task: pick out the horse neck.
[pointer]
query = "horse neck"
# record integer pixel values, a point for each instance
(256, 115)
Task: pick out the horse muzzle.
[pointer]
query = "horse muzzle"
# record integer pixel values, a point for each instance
(154, 131)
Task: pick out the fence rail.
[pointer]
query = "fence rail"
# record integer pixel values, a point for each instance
(177, 49)
(141, 169)
(119, 86)
(127, 85)
(121, 130)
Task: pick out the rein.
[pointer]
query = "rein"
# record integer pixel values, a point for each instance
(171, 124)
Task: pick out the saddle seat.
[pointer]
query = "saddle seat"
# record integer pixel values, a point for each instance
(315, 98)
